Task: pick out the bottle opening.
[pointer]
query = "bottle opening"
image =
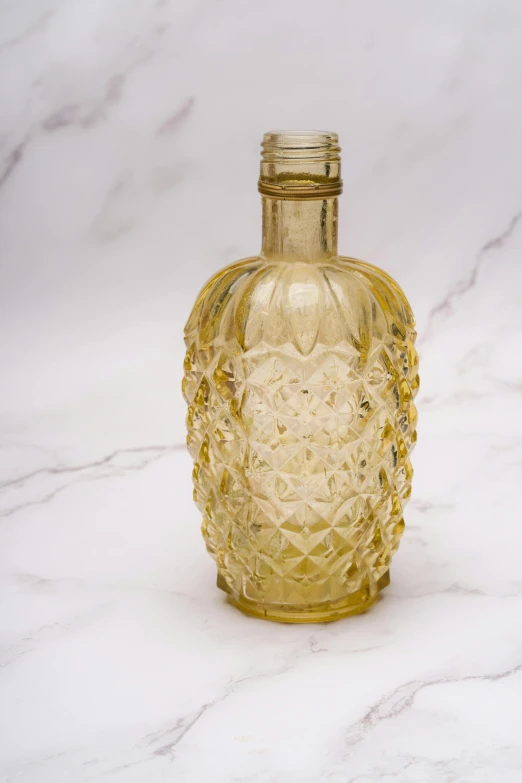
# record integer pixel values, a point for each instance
(300, 145)
(298, 164)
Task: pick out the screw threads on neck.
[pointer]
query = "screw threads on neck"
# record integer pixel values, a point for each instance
(300, 165)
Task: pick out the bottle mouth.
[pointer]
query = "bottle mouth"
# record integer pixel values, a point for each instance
(298, 164)
(300, 145)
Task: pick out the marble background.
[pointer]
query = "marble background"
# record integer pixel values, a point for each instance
(129, 146)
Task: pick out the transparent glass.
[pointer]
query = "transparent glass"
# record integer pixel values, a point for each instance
(300, 375)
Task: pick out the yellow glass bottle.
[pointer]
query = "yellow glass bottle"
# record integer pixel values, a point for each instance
(300, 375)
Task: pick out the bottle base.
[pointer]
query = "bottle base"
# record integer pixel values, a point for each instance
(356, 603)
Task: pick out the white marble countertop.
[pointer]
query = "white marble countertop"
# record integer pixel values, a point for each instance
(128, 147)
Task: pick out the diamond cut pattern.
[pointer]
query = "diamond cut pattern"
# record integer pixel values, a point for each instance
(301, 439)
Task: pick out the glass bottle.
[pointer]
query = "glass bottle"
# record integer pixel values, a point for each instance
(300, 375)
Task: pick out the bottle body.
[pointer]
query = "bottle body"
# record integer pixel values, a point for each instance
(300, 375)
(301, 420)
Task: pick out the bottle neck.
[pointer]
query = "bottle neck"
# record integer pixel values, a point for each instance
(299, 230)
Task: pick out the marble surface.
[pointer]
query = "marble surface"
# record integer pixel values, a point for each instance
(129, 151)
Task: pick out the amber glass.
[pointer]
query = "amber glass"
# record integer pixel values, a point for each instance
(300, 375)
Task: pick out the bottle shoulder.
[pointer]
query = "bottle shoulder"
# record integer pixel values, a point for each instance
(256, 299)
(218, 290)
(378, 277)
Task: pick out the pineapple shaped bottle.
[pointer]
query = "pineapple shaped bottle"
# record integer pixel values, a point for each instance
(300, 375)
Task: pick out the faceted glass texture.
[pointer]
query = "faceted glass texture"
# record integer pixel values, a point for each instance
(300, 380)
